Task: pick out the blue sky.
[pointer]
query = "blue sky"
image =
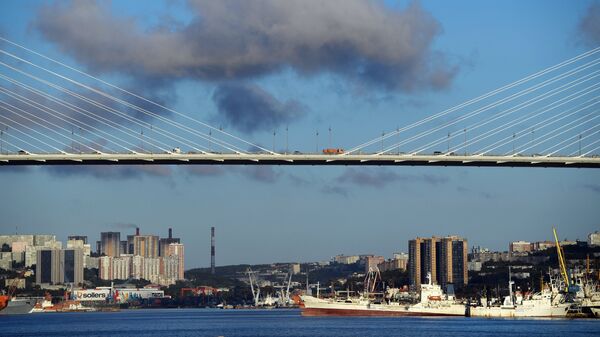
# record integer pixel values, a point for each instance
(270, 214)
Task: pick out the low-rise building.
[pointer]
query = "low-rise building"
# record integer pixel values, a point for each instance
(398, 262)
(519, 247)
(346, 259)
(18, 283)
(594, 239)
(372, 262)
(542, 245)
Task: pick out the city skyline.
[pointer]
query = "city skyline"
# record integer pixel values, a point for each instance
(520, 244)
(291, 102)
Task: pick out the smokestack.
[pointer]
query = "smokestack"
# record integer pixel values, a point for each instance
(137, 231)
(170, 233)
(212, 250)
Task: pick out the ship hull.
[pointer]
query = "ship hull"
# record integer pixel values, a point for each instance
(19, 306)
(315, 312)
(559, 311)
(320, 307)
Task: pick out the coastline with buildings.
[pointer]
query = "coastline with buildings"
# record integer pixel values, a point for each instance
(149, 271)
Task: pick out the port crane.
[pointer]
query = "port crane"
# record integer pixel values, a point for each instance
(255, 294)
(561, 260)
(284, 298)
(12, 288)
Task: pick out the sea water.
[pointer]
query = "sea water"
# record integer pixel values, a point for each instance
(278, 322)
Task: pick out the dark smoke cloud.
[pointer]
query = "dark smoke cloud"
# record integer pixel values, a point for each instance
(382, 177)
(589, 26)
(228, 39)
(248, 108)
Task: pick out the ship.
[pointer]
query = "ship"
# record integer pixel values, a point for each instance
(65, 306)
(433, 302)
(18, 305)
(586, 293)
(12, 305)
(549, 303)
(556, 300)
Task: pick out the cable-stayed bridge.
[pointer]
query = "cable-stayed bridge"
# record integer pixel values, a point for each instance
(54, 114)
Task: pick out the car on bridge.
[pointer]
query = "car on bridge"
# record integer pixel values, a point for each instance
(333, 151)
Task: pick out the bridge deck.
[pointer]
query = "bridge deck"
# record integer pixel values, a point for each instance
(296, 159)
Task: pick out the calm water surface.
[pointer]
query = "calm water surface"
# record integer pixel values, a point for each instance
(230, 323)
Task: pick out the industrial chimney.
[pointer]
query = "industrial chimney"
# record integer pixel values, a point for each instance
(137, 231)
(170, 233)
(212, 250)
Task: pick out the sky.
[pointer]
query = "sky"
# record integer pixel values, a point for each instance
(254, 68)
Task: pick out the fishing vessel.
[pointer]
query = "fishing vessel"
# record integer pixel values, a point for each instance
(547, 303)
(554, 300)
(433, 302)
(586, 293)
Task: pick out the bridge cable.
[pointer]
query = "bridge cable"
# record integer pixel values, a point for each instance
(489, 106)
(504, 113)
(142, 110)
(522, 119)
(19, 139)
(29, 128)
(585, 154)
(577, 139)
(568, 139)
(475, 100)
(512, 123)
(108, 109)
(545, 122)
(558, 134)
(135, 95)
(44, 126)
(53, 112)
(81, 111)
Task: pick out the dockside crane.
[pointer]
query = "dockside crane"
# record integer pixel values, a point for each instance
(255, 294)
(12, 289)
(561, 260)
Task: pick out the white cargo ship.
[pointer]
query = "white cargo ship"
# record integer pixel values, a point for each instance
(544, 304)
(433, 302)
